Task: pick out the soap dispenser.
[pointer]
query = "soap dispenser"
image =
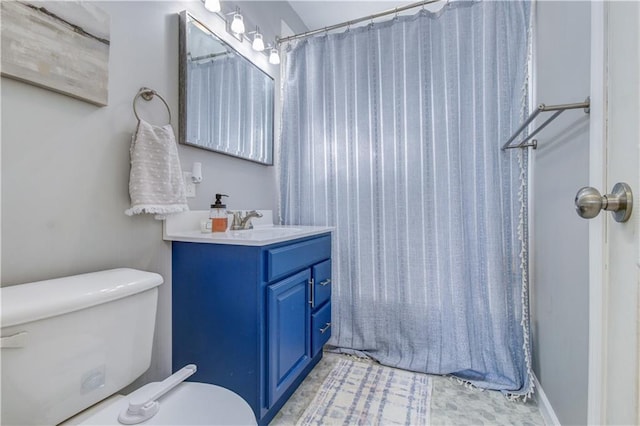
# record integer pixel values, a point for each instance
(218, 215)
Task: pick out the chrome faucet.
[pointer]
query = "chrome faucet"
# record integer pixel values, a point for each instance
(240, 222)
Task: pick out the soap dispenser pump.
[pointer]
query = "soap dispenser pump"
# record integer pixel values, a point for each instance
(218, 215)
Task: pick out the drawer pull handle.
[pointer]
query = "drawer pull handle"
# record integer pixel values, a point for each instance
(325, 282)
(325, 328)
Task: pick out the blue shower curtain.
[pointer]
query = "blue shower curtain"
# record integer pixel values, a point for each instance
(392, 134)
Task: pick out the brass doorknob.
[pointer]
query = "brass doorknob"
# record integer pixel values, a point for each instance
(589, 202)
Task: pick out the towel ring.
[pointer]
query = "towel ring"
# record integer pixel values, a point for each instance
(148, 94)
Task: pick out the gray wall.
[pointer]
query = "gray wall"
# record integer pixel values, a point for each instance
(560, 281)
(65, 163)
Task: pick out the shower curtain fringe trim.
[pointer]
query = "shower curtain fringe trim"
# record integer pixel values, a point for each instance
(523, 236)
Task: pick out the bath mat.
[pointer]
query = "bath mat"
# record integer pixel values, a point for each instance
(359, 393)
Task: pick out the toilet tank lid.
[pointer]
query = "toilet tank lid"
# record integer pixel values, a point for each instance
(34, 301)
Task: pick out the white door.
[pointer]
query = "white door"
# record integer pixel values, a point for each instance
(614, 347)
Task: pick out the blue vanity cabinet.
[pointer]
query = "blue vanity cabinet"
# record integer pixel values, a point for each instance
(246, 315)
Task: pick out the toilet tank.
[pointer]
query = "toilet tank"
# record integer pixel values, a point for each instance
(70, 342)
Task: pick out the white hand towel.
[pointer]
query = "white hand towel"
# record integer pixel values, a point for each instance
(155, 183)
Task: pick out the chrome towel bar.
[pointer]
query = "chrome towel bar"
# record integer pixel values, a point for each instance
(542, 108)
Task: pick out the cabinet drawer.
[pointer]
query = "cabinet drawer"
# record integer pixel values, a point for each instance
(293, 257)
(322, 283)
(320, 328)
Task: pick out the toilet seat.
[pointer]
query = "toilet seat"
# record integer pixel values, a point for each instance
(189, 403)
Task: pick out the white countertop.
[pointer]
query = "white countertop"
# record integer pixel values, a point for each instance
(185, 227)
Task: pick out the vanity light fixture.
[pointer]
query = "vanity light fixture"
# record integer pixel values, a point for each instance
(258, 42)
(274, 56)
(212, 5)
(237, 25)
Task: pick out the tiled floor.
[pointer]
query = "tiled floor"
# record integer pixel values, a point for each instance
(451, 403)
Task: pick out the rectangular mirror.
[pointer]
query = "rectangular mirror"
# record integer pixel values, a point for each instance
(226, 101)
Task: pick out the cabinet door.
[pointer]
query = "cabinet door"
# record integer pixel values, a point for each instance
(288, 329)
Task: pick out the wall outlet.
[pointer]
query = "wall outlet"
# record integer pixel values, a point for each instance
(189, 186)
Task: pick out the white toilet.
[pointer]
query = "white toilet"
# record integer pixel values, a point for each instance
(70, 343)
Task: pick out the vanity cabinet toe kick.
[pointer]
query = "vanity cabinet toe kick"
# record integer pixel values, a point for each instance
(253, 319)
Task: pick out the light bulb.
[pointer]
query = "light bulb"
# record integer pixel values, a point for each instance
(274, 57)
(237, 25)
(258, 43)
(212, 5)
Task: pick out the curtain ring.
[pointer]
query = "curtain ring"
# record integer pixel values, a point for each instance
(148, 94)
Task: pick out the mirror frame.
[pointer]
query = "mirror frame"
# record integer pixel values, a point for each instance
(182, 89)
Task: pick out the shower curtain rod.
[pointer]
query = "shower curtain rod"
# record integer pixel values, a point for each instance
(355, 21)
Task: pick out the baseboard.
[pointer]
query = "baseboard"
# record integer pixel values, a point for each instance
(548, 415)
